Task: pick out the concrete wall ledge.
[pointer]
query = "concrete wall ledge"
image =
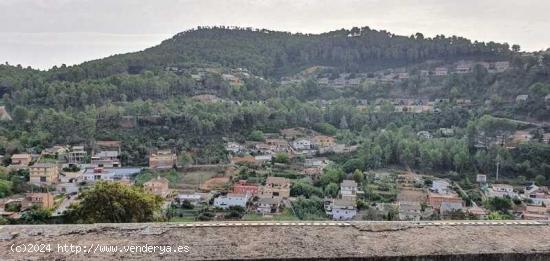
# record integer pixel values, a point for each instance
(304, 240)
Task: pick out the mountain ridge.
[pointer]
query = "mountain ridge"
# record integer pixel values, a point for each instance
(273, 54)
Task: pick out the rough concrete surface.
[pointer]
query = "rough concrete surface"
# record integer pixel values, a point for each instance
(283, 240)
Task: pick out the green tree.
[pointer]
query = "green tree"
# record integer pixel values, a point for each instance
(353, 164)
(358, 176)
(5, 188)
(309, 209)
(256, 135)
(499, 204)
(235, 212)
(540, 180)
(301, 188)
(36, 215)
(331, 190)
(281, 157)
(332, 174)
(113, 202)
(184, 158)
(326, 128)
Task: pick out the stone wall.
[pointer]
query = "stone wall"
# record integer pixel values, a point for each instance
(372, 241)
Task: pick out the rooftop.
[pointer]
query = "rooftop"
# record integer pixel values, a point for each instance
(107, 153)
(114, 171)
(19, 156)
(349, 183)
(42, 165)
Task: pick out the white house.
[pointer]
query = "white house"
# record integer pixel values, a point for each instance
(301, 144)
(441, 71)
(343, 209)
(522, 98)
(348, 190)
(109, 174)
(67, 188)
(263, 158)
(193, 198)
(449, 207)
(440, 186)
(537, 195)
(268, 205)
(502, 66)
(316, 162)
(502, 190)
(231, 199)
(234, 147)
(424, 134)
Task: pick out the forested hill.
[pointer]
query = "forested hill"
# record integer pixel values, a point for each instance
(271, 54)
(226, 84)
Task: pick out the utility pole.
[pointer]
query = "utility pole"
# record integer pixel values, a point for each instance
(498, 164)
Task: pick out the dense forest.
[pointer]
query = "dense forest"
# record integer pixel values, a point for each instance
(271, 54)
(91, 101)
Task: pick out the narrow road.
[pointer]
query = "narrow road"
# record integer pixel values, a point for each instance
(64, 205)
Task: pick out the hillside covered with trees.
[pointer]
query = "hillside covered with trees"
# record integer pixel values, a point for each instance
(94, 100)
(272, 54)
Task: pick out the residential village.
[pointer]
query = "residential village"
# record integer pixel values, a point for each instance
(265, 179)
(262, 178)
(430, 69)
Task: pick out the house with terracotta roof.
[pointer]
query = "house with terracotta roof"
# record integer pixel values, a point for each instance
(348, 190)
(268, 205)
(44, 174)
(243, 187)
(536, 213)
(323, 141)
(277, 145)
(276, 187)
(44, 200)
(23, 159)
(436, 200)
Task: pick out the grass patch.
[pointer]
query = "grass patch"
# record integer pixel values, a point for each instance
(253, 217)
(183, 219)
(286, 215)
(146, 175)
(192, 179)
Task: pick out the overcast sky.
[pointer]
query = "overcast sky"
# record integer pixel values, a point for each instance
(43, 33)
